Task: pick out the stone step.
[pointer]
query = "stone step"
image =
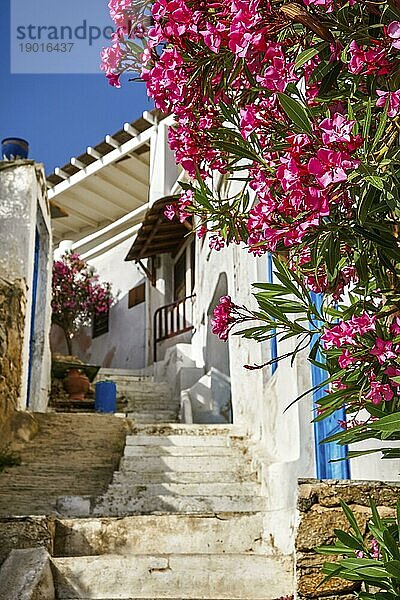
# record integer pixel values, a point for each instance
(168, 429)
(227, 576)
(141, 394)
(134, 404)
(185, 451)
(165, 534)
(180, 440)
(117, 502)
(151, 464)
(139, 478)
(188, 489)
(144, 374)
(161, 416)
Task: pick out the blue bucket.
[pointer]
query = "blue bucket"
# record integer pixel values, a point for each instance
(105, 397)
(13, 148)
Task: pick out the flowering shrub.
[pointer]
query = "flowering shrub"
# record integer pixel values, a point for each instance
(299, 104)
(77, 295)
(372, 557)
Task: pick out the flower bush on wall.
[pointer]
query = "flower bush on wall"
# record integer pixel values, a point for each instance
(299, 102)
(77, 295)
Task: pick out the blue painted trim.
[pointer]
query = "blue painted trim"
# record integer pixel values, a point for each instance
(33, 310)
(274, 341)
(326, 452)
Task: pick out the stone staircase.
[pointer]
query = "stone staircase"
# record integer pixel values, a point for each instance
(72, 454)
(183, 518)
(140, 398)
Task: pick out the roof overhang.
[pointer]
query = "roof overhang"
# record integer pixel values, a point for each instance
(106, 187)
(158, 235)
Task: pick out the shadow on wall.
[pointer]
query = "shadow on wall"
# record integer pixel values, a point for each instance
(122, 346)
(210, 397)
(216, 352)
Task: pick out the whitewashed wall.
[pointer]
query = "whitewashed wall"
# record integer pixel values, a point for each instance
(23, 208)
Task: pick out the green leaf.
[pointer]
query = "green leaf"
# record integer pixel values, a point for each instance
(356, 563)
(382, 125)
(351, 519)
(308, 54)
(391, 423)
(367, 124)
(376, 181)
(337, 549)
(348, 540)
(391, 546)
(296, 112)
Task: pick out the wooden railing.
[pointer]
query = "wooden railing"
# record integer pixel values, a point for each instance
(171, 320)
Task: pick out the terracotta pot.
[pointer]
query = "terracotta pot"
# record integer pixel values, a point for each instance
(76, 384)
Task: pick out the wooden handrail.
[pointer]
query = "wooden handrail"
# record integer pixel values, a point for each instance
(167, 322)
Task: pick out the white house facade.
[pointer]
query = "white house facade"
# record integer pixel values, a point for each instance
(169, 282)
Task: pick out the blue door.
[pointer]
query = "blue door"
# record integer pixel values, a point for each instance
(322, 429)
(33, 310)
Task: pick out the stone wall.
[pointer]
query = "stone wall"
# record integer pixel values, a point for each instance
(12, 323)
(319, 514)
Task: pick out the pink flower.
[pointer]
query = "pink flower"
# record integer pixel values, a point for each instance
(383, 351)
(338, 335)
(113, 80)
(393, 372)
(249, 119)
(374, 548)
(222, 318)
(395, 326)
(371, 60)
(336, 129)
(213, 35)
(346, 359)
(330, 166)
(393, 31)
(327, 5)
(170, 211)
(379, 392)
(363, 323)
(394, 101)
(216, 243)
(201, 232)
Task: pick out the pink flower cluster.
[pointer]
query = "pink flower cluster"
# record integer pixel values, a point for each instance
(77, 293)
(346, 332)
(180, 209)
(377, 355)
(369, 60)
(317, 280)
(222, 317)
(306, 175)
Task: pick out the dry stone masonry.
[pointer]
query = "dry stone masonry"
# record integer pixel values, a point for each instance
(12, 319)
(319, 514)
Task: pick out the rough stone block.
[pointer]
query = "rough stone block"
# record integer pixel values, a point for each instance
(26, 575)
(317, 525)
(25, 532)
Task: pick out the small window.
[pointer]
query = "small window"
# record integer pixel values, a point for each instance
(137, 295)
(100, 324)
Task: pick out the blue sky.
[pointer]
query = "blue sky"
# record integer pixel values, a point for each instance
(61, 114)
